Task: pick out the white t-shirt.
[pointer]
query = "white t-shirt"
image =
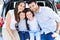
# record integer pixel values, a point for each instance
(13, 22)
(33, 25)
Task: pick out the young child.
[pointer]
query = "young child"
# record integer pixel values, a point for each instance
(22, 26)
(33, 25)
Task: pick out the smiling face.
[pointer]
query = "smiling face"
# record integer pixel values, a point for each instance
(29, 15)
(21, 7)
(22, 15)
(33, 6)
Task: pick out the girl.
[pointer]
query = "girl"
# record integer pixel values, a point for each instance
(33, 25)
(9, 31)
(24, 35)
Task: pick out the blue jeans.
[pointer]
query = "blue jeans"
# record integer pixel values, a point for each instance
(34, 35)
(23, 35)
(47, 36)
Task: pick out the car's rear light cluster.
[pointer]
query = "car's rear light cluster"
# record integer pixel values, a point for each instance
(1, 22)
(58, 6)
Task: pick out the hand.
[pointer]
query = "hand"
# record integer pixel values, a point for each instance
(54, 34)
(13, 38)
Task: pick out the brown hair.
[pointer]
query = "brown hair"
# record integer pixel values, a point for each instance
(19, 14)
(28, 10)
(16, 10)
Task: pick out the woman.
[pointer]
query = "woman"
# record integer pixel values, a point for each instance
(9, 31)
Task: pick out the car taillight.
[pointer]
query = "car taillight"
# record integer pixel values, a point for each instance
(1, 22)
(58, 6)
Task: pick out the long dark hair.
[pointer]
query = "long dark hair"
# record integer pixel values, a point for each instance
(16, 10)
(28, 10)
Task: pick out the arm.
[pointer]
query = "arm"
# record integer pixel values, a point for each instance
(58, 27)
(57, 19)
(55, 34)
(8, 19)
